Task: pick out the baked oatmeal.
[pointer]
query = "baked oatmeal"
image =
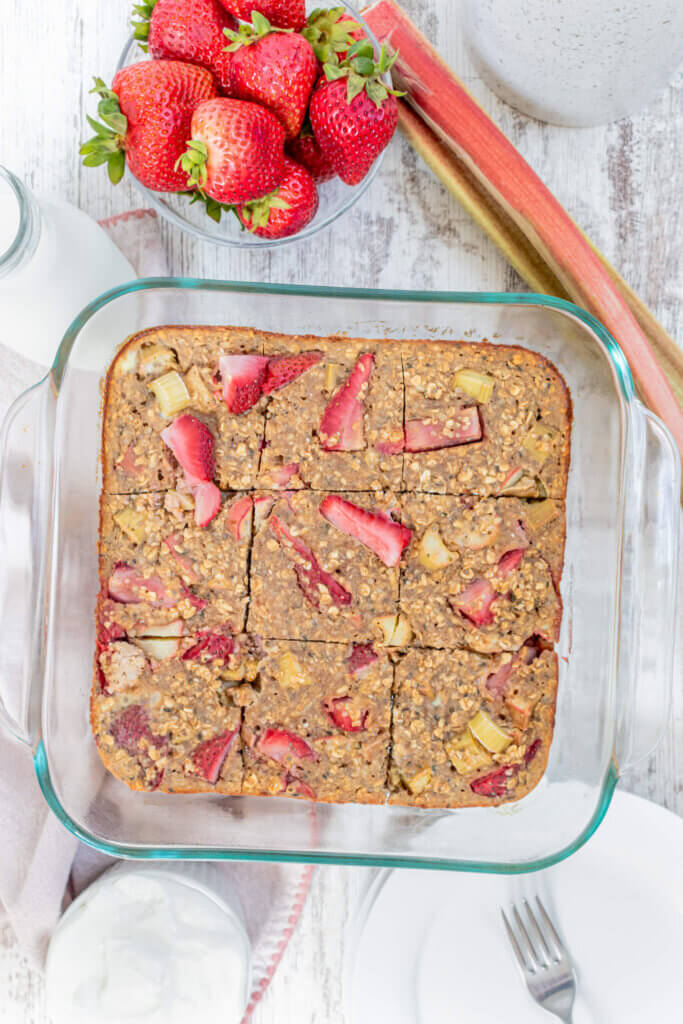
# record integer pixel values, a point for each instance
(484, 419)
(318, 727)
(469, 730)
(330, 567)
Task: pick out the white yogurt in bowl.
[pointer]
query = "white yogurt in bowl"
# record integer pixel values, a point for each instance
(150, 944)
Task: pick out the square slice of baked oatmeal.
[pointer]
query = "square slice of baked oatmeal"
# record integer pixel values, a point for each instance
(470, 730)
(339, 424)
(318, 726)
(481, 573)
(484, 419)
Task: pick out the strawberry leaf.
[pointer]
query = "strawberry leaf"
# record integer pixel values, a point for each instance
(213, 208)
(355, 86)
(193, 162)
(116, 166)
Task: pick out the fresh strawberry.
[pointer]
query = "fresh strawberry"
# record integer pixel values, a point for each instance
(242, 378)
(188, 30)
(340, 715)
(192, 443)
(287, 210)
(475, 601)
(283, 13)
(429, 435)
(132, 726)
(128, 586)
(376, 531)
(281, 475)
(174, 543)
(262, 506)
(147, 115)
(310, 576)
(496, 782)
(353, 114)
(209, 645)
(361, 657)
(282, 370)
(281, 745)
(332, 33)
(236, 151)
(207, 502)
(210, 756)
(275, 68)
(508, 562)
(239, 517)
(306, 151)
(341, 427)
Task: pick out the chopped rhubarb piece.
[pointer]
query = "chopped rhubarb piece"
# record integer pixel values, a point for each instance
(209, 757)
(207, 503)
(496, 782)
(131, 727)
(361, 657)
(340, 715)
(210, 644)
(262, 507)
(531, 752)
(510, 561)
(192, 443)
(242, 377)
(239, 517)
(391, 447)
(282, 370)
(158, 648)
(174, 543)
(497, 682)
(128, 586)
(341, 428)
(298, 786)
(309, 574)
(376, 531)
(279, 745)
(531, 650)
(475, 602)
(519, 484)
(521, 709)
(429, 435)
(281, 475)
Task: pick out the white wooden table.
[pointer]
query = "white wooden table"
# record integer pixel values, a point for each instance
(622, 183)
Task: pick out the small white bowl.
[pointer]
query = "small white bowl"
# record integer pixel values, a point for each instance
(128, 974)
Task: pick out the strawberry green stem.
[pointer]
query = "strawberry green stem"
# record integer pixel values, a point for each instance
(141, 25)
(249, 33)
(109, 141)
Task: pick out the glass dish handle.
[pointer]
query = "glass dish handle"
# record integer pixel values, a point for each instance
(25, 475)
(649, 588)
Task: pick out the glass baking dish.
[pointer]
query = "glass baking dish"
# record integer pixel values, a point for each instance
(618, 588)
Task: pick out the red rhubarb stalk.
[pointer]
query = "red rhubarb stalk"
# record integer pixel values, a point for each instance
(446, 106)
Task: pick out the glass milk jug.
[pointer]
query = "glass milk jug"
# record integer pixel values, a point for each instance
(53, 260)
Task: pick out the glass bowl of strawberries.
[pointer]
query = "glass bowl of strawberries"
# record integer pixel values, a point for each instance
(246, 122)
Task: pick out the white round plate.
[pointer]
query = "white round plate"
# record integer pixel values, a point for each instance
(432, 949)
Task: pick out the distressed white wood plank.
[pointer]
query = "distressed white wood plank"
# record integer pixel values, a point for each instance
(622, 183)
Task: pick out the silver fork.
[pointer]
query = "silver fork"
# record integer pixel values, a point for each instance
(545, 964)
